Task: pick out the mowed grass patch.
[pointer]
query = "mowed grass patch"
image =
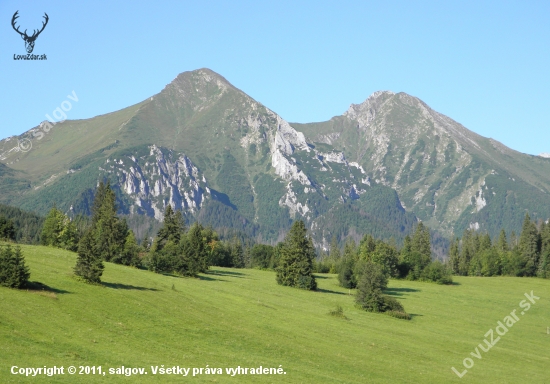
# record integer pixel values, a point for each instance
(232, 317)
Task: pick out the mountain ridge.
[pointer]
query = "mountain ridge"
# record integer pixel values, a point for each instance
(379, 165)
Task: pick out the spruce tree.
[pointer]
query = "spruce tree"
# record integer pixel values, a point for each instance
(421, 244)
(13, 271)
(372, 282)
(52, 228)
(454, 255)
(195, 252)
(89, 265)
(296, 260)
(236, 253)
(502, 242)
(529, 246)
(7, 229)
(334, 252)
(346, 265)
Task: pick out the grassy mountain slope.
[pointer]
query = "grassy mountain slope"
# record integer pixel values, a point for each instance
(229, 317)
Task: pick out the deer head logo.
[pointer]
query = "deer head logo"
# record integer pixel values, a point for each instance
(29, 40)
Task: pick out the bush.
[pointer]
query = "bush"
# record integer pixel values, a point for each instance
(436, 272)
(338, 312)
(391, 304)
(399, 315)
(13, 271)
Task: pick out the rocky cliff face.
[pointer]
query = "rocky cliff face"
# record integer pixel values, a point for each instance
(159, 178)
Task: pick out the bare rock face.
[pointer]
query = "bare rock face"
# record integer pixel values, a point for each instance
(160, 178)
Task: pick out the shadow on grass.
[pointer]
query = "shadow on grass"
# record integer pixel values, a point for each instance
(413, 315)
(329, 291)
(399, 291)
(318, 276)
(226, 273)
(208, 278)
(127, 286)
(37, 286)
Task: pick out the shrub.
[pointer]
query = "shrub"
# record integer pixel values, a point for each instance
(391, 304)
(399, 315)
(436, 272)
(338, 312)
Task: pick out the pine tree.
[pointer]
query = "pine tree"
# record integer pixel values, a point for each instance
(109, 234)
(485, 242)
(130, 252)
(89, 265)
(421, 244)
(454, 255)
(467, 252)
(372, 282)
(52, 228)
(346, 265)
(7, 229)
(173, 227)
(529, 246)
(236, 253)
(334, 252)
(195, 251)
(502, 242)
(13, 271)
(296, 261)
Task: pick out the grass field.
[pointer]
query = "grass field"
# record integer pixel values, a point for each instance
(231, 318)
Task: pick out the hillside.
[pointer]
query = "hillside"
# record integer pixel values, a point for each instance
(232, 317)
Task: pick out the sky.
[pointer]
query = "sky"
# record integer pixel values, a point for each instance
(485, 64)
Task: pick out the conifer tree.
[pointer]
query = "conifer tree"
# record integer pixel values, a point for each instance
(130, 252)
(346, 265)
(13, 271)
(372, 282)
(52, 228)
(421, 244)
(454, 255)
(7, 229)
(296, 260)
(195, 251)
(529, 246)
(89, 265)
(334, 252)
(502, 242)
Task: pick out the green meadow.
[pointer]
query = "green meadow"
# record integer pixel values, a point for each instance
(241, 317)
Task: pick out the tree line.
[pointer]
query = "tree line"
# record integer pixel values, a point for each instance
(475, 254)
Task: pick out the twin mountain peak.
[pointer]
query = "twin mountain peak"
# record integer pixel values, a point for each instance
(206, 147)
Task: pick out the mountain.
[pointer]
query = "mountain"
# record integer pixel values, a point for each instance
(449, 176)
(225, 159)
(207, 148)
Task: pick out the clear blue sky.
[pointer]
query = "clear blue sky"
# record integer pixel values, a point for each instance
(484, 64)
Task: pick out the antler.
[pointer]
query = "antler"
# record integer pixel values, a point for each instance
(15, 16)
(35, 34)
